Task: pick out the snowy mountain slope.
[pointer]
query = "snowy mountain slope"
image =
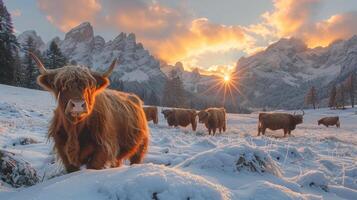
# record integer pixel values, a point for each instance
(314, 163)
(287, 68)
(139, 71)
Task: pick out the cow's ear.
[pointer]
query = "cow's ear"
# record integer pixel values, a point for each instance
(102, 82)
(46, 81)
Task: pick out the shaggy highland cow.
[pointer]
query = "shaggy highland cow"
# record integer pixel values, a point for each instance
(330, 121)
(92, 125)
(151, 114)
(275, 121)
(213, 118)
(180, 117)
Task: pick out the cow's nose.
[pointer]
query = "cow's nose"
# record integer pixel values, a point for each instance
(77, 107)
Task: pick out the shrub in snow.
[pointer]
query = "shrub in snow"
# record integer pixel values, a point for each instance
(16, 172)
(313, 179)
(24, 141)
(234, 158)
(283, 153)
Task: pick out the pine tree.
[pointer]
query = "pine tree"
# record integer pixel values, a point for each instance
(350, 86)
(54, 58)
(332, 99)
(153, 99)
(8, 47)
(29, 65)
(340, 96)
(174, 93)
(311, 98)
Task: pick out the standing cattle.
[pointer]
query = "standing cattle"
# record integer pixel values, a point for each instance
(92, 125)
(330, 121)
(213, 118)
(275, 121)
(151, 114)
(180, 117)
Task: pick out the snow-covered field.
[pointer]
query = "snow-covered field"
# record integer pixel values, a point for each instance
(314, 163)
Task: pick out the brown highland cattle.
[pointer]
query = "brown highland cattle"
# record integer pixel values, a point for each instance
(213, 118)
(275, 121)
(151, 114)
(180, 117)
(330, 121)
(92, 125)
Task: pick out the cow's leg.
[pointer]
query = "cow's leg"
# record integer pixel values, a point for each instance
(285, 132)
(259, 130)
(86, 152)
(209, 131)
(60, 142)
(263, 131)
(194, 123)
(220, 130)
(214, 131)
(156, 119)
(140, 153)
(99, 158)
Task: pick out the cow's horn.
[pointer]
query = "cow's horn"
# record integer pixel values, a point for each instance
(111, 68)
(303, 112)
(39, 64)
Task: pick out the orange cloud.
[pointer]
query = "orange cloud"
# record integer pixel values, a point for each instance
(337, 27)
(292, 18)
(66, 14)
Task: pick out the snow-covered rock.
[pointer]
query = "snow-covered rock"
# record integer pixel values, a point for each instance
(135, 183)
(23, 37)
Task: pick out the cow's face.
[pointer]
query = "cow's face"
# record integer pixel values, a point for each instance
(75, 88)
(298, 119)
(203, 116)
(167, 113)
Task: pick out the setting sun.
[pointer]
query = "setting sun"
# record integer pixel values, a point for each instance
(226, 78)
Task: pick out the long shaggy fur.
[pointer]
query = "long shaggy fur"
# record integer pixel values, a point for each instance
(114, 130)
(330, 121)
(151, 114)
(213, 118)
(275, 121)
(181, 117)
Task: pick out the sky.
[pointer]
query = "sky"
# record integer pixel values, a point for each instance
(209, 34)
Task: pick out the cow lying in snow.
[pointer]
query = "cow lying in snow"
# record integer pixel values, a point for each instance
(180, 117)
(151, 114)
(275, 121)
(330, 121)
(213, 118)
(92, 125)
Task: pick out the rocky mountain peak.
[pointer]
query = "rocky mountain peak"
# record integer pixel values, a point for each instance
(83, 32)
(288, 44)
(23, 37)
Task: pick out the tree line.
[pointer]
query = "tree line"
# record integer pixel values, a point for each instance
(16, 65)
(339, 94)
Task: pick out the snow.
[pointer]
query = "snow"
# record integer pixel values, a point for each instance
(315, 162)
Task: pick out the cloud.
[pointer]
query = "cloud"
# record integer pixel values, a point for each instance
(340, 26)
(298, 19)
(66, 14)
(16, 13)
(175, 34)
